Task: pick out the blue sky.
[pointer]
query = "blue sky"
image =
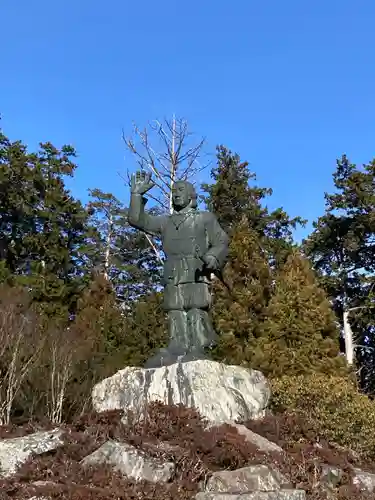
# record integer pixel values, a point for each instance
(289, 85)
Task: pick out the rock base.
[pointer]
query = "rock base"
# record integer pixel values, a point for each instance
(221, 393)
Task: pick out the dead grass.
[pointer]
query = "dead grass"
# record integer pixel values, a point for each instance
(179, 435)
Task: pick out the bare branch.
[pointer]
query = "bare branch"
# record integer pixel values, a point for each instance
(21, 343)
(153, 246)
(147, 161)
(165, 150)
(177, 159)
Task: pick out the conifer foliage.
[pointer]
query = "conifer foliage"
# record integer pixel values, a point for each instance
(275, 316)
(42, 227)
(300, 333)
(342, 249)
(233, 196)
(239, 314)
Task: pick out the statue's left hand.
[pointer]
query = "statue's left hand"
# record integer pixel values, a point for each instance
(211, 262)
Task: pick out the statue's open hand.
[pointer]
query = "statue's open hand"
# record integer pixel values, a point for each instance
(141, 182)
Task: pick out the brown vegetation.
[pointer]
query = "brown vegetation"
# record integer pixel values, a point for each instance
(48, 366)
(179, 435)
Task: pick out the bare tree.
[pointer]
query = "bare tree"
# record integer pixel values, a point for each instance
(107, 215)
(350, 346)
(167, 150)
(67, 350)
(21, 344)
(61, 347)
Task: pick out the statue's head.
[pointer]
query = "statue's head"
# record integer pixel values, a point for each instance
(183, 195)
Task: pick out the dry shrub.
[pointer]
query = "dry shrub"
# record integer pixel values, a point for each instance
(21, 344)
(173, 433)
(331, 408)
(186, 440)
(38, 359)
(177, 434)
(304, 458)
(13, 430)
(67, 356)
(169, 433)
(70, 481)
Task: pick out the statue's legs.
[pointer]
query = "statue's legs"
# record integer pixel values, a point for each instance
(199, 327)
(200, 330)
(178, 332)
(178, 343)
(189, 325)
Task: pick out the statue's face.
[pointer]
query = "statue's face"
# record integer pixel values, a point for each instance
(180, 195)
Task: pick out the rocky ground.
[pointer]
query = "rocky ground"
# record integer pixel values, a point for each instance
(171, 454)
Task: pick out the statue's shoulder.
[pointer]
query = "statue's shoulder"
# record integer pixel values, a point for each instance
(207, 216)
(163, 218)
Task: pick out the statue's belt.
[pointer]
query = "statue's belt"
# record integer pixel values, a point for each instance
(181, 257)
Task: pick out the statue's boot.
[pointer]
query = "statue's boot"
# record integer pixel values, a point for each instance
(179, 342)
(191, 334)
(162, 358)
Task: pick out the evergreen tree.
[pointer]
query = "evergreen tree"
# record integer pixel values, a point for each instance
(42, 227)
(300, 333)
(238, 315)
(144, 330)
(231, 197)
(260, 242)
(143, 264)
(97, 338)
(108, 217)
(342, 249)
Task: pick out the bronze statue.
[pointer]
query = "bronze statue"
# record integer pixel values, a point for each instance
(195, 246)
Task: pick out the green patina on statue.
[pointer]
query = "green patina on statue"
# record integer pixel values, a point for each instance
(195, 246)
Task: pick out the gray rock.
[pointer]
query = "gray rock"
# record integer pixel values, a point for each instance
(44, 483)
(331, 476)
(246, 479)
(221, 393)
(257, 495)
(364, 480)
(16, 451)
(260, 442)
(131, 462)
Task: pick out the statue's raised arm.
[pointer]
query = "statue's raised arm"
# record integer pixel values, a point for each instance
(141, 183)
